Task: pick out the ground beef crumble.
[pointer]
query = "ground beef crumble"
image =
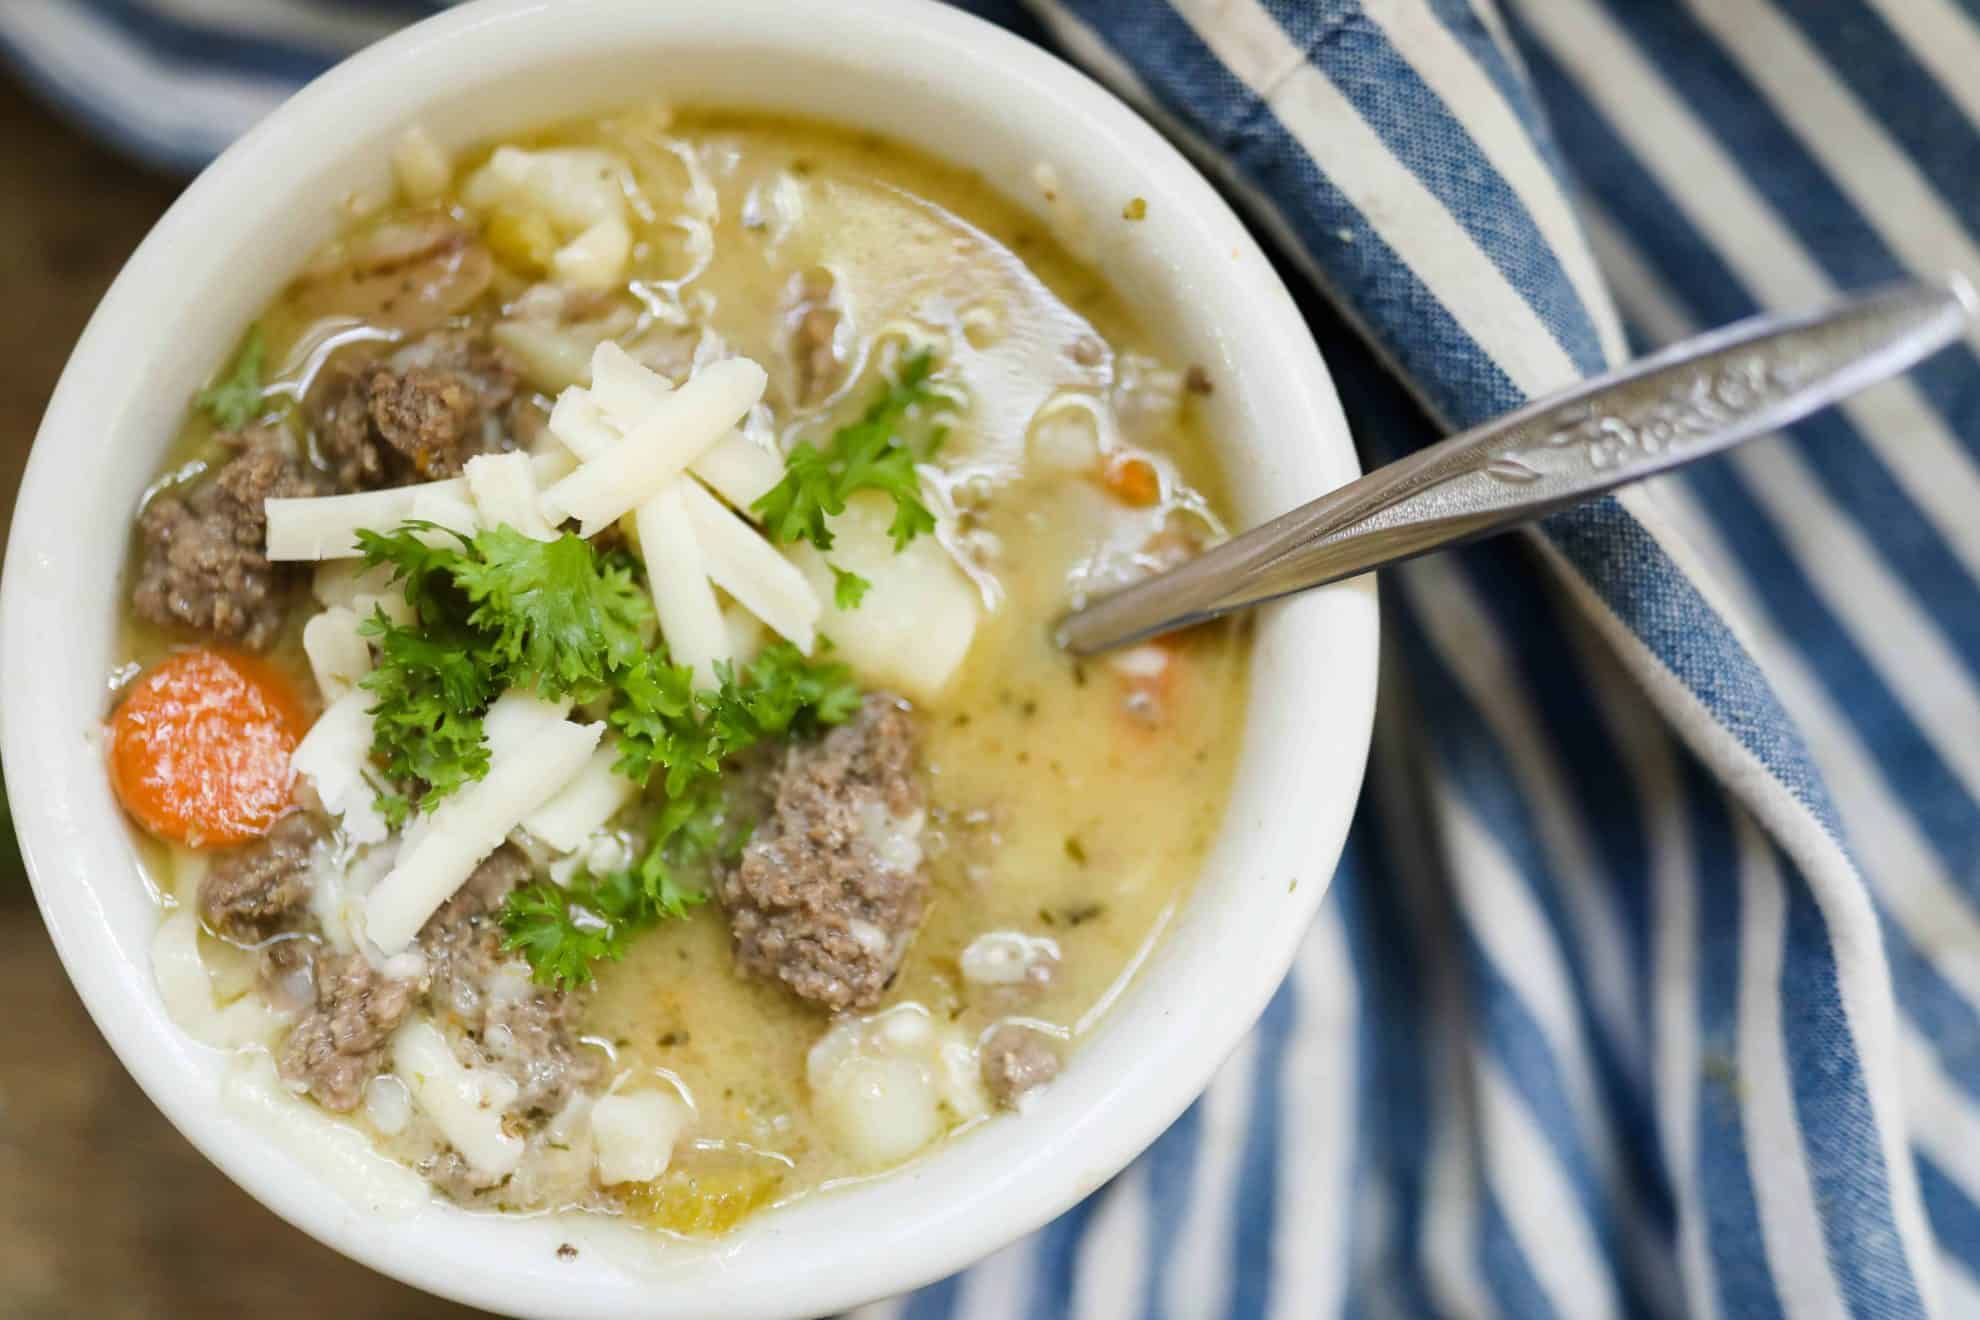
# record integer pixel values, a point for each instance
(339, 1045)
(813, 903)
(477, 992)
(201, 561)
(419, 415)
(1014, 1060)
(250, 893)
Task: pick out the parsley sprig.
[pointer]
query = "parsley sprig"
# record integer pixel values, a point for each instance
(491, 612)
(496, 611)
(235, 399)
(666, 727)
(873, 453)
(562, 932)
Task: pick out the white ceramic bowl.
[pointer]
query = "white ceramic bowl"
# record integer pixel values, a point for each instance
(916, 71)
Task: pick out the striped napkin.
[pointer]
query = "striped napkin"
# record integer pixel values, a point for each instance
(1650, 983)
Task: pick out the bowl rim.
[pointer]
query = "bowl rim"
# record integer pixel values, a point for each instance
(1050, 1167)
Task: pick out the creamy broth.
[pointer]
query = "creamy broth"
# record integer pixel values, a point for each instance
(1065, 802)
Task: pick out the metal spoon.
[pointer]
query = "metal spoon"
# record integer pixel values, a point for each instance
(1686, 403)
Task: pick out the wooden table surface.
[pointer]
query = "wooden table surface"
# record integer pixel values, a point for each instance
(105, 1211)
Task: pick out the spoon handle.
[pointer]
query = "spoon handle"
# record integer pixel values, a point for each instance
(1688, 402)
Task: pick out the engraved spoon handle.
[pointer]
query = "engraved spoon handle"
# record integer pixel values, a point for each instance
(1688, 402)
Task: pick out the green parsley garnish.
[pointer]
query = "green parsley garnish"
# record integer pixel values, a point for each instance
(561, 617)
(496, 611)
(870, 454)
(562, 932)
(235, 399)
(848, 588)
(664, 725)
(558, 933)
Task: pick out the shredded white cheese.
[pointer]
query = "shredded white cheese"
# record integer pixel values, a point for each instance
(465, 1103)
(532, 756)
(746, 633)
(624, 389)
(343, 581)
(326, 526)
(634, 1135)
(578, 423)
(677, 574)
(338, 654)
(622, 392)
(691, 542)
(334, 757)
(658, 449)
(740, 470)
(187, 989)
(452, 516)
(742, 563)
(567, 821)
(504, 491)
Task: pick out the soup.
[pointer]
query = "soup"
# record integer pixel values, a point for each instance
(589, 705)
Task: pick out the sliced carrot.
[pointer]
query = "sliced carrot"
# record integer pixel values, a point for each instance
(199, 749)
(1133, 481)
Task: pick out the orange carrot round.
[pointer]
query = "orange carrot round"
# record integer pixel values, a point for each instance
(1133, 481)
(199, 749)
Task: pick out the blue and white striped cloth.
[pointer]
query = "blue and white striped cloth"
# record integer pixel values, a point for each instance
(1650, 983)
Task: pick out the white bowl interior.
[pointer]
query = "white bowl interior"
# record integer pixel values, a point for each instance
(914, 71)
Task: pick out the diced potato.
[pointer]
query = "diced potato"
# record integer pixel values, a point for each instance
(552, 357)
(574, 186)
(522, 240)
(880, 1111)
(918, 620)
(596, 258)
(420, 167)
(881, 1082)
(634, 1135)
